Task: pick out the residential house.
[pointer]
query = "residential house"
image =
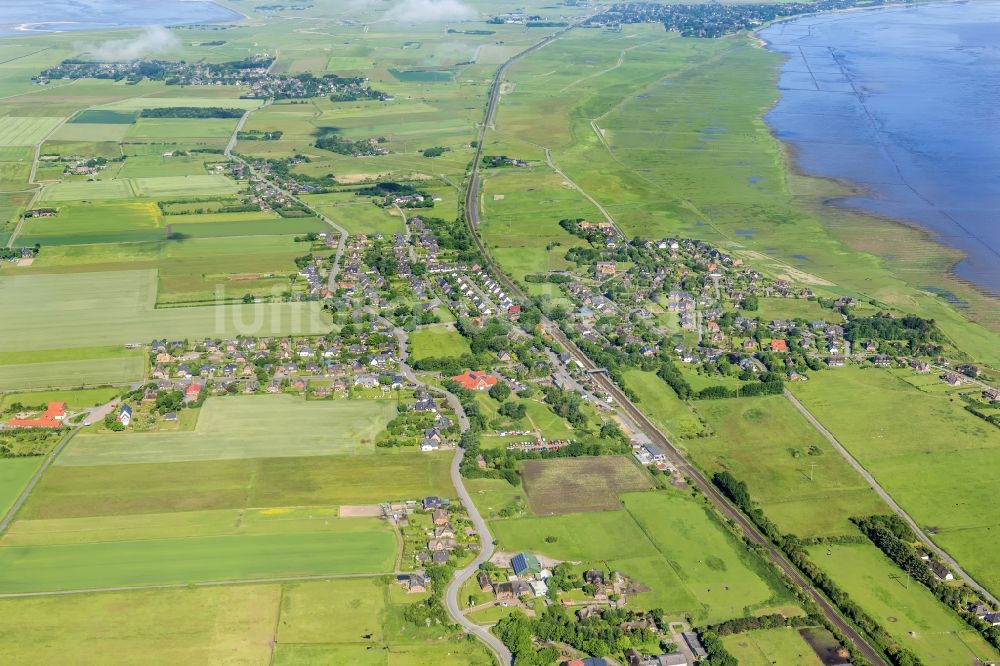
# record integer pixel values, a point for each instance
(125, 415)
(440, 517)
(940, 570)
(485, 584)
(475, 380)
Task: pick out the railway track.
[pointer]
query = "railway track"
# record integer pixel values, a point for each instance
(730, 512)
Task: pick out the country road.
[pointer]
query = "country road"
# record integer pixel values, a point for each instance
(331, 283)
(486, 544)
(472, 217)
(887, 498)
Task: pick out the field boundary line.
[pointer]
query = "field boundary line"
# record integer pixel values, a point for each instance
(177, 586)
(887, 498)
(23, 497)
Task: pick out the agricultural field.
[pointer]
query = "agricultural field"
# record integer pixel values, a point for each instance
(17, 376)
(358, 215)
(266, 426)
(437, 341)
(26, 131)
(907, 610)
(14, 476)
(662, 405)
(80, 305)
(326, 546)
(570, 485)
(924, 449)
(71, 491)
(74, 399)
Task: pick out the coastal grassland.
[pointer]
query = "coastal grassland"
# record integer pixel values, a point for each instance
(206, 625)
(801, 482)
(74, 399)
(14, 476)
(88, 190)
(333, 546)
(660, 403)
(77, 308)
(147, 166)
(87, 371)
(673, 141)
(711, 562)
(245, 427)
(26, 131)
(67, 491)
(766, 647)
(908, 611)
(568, 485)
(924, 449)
(358, 215)
(437, 341)
(522, 209)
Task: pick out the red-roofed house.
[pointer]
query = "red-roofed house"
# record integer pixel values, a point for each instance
(779, 345)
(191, 392)
(475, 380)
(52, 417)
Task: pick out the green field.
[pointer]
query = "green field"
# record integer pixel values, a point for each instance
(14, 476)
(74, 399)
(665, 540)
(104, 117)
(924, 449)
(206, 625)
(15, 376)
(26, 131)
(78, 308)
(798, 478)
(908, 611)
(778, 647)
(437, 341)
(662, 405)
(340, 546)
(68, 491)
(265, 426)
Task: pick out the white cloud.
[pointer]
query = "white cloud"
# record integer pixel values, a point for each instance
(152, 40)
(428, 11)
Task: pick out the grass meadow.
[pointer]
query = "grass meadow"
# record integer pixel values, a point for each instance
(908, 611)
(768, 647)
(924, 449)
(798, 478)
(437, 341)
(18, 376)
(14, 476)
(671, 544)
(265, 426)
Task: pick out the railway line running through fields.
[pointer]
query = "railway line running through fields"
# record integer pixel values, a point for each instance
(700, 481)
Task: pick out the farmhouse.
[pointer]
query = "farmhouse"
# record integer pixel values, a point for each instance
(52, 417)
(475, 380)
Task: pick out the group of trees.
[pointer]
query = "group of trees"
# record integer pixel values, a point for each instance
(329, 139)
(916, 332)
(739, 495)
(191, 112)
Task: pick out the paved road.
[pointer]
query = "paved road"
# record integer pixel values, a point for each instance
(486, 545)
(332, 280)
(887, 498)
(653, 433)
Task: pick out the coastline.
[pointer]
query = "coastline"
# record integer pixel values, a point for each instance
(965, 296)
(35, 28)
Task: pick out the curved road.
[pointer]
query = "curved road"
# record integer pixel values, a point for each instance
(482, 529)
(680, 462)
(887, 498)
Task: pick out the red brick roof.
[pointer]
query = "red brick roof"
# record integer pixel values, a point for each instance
(193, 389)
(475, 380)
(51, 418)
(779, 345)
